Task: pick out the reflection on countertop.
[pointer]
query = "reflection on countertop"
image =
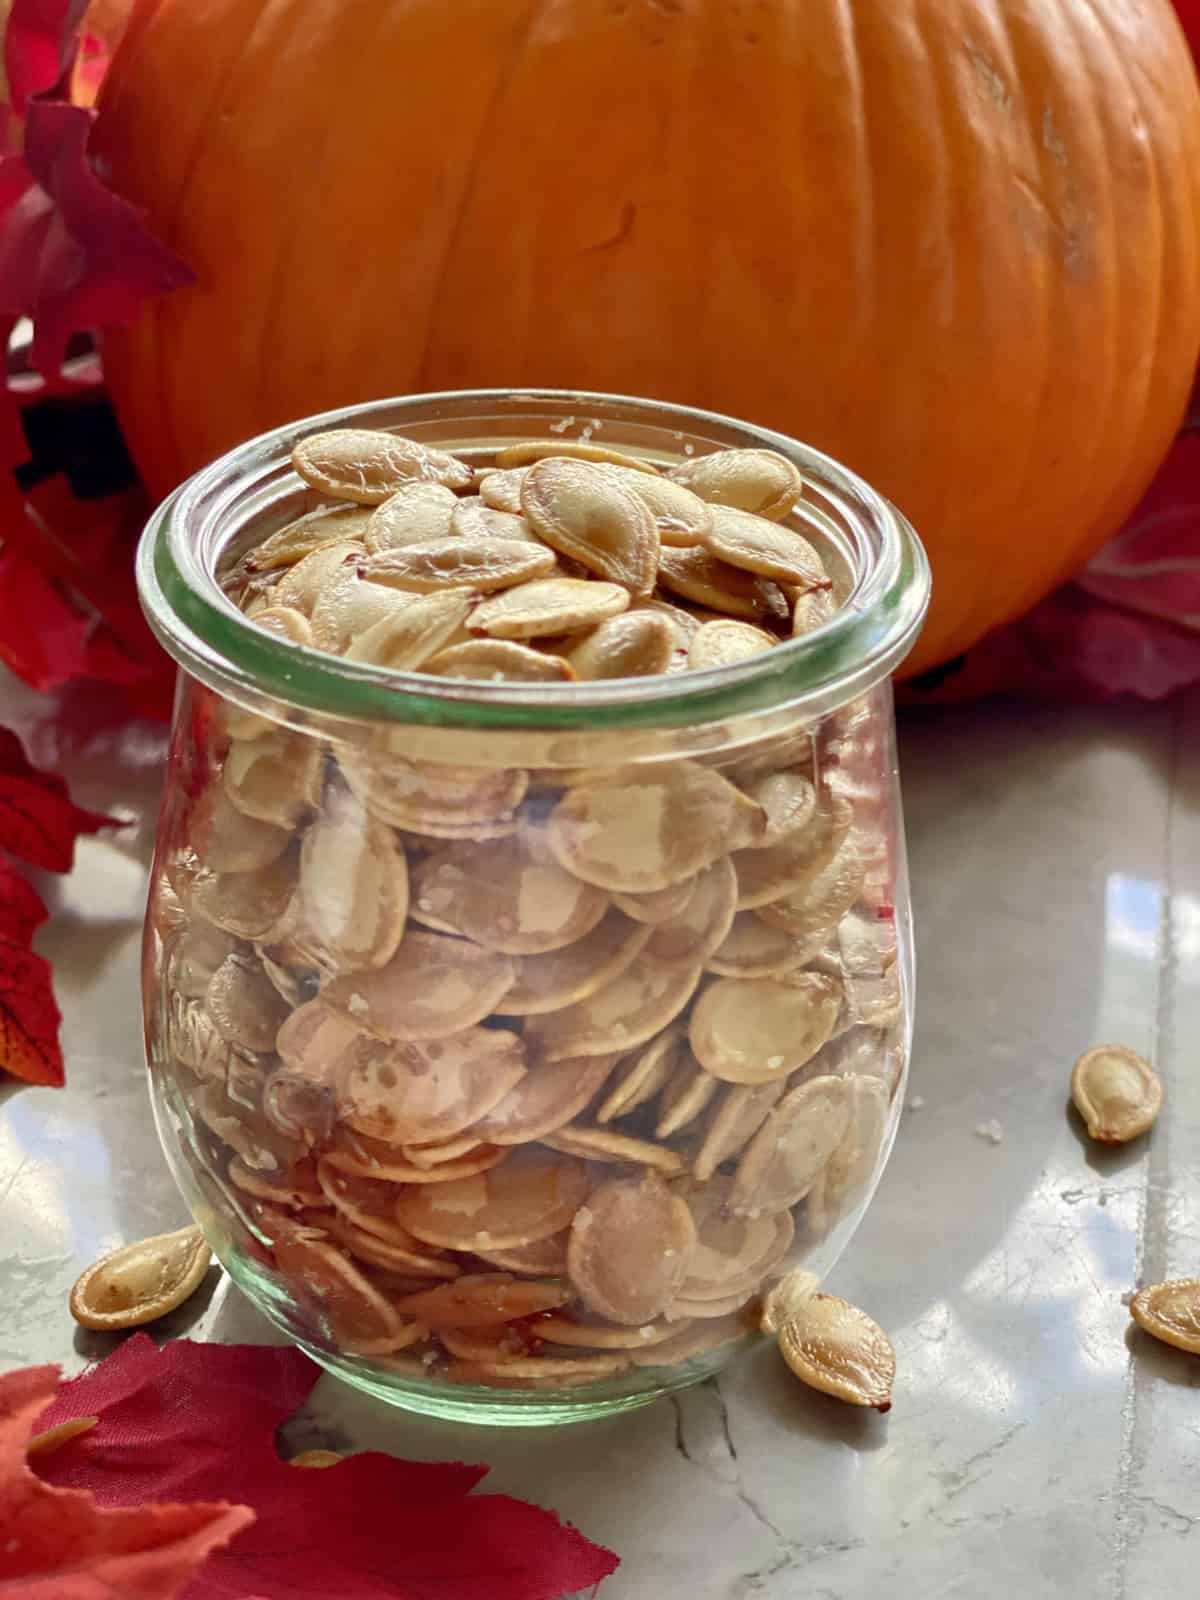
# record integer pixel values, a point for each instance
(1036, 1446)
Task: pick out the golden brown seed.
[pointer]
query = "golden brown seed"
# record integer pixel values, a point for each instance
(756, 545)
(751, 480)
(1170, 1312)
(636, 645)
(767, 873)
(356, 1313)
(276, 778)
(784, 1159)
(349, 606)
(684, 1098)
(303, 585)
(498, 661)
(787, 1298)
(501, 490)
(629, 1249)
(316, 1459)
(682, 517)
(481, 565)
(751, 949)
(306, 534)
(692, 1342)
(416, 514)
(546, 1099)
(530, 1197)
(640, 836)
(473, 519)
(285, 622)
(833, 1346)
(698, 575)
(592, 517)
(141, 1282)
(246, 904)
(548, 606)
(483, 1300)
(690, 938)
(431, 988)
(52, 1439)
(756, 1030)
(624, 1013)
(812, 611)
(226, 840)
(603, 1145)
(406, 636)
(531, 450)
(560, 977)
(244, 1005)
(353, 886)
(813, 912)
(1117, 1094)
(735, 1119)
(369, 467)
(721, 644)
(644, 1074)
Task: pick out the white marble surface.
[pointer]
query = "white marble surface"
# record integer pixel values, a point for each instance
(1037, 1448)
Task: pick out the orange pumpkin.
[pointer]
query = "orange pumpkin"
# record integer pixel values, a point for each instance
(954, 242)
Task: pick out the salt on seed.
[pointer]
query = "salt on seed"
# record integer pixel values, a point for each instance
(774, 1062)
(357, 1005)
(992, 1131)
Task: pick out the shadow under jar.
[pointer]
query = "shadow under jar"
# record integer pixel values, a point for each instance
(510, 1038)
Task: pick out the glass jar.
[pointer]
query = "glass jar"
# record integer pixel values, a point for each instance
(489, 1136)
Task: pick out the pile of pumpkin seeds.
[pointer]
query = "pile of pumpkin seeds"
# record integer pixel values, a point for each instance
(527, 1078)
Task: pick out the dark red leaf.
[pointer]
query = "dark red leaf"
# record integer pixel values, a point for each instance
(181, 1420)
(74, 256)
(21, 908)
(42, 635)
(29, 1017)
(39, 45)
(59, 1544)
(38, 821)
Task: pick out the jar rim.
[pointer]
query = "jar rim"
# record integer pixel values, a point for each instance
(209, 637)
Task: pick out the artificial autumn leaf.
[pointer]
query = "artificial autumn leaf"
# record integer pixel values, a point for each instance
(39, 46)
(38, 820)
(59, 1544)
(42, 635)
(73, 255)
(192, 1419)
(21, 909)
(29, 1017)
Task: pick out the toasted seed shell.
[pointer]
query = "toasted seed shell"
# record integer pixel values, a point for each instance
(276, 778)
(286, 623)
(751, 480)
(602, 1144)
(1116, 1092)
(246, 904)
(733, 1254)
(473, 519)
(681, 516)
(546, 1099)
(721, 644)
(658, 905)
(700, 928)
(782, 1161)
(561, 977)
(772, 872)
(360, 1319)
(591, 516)
(849, 1168)
(644, 1074)
(814, 911)
(52, 1439)
(480, 565)
(788, 800)
(227, 840)
(787, 1298)
(532, 450)
(429, 1090)
(483, 1300)
(626, 1012)
(650, 833)
(368, 467)
(141, 1282)
(1170, 1312)
(303, 585)
(435, 799)
(530, 1197)
(416, 514)
(812, 610)
(692, 1342)
(545, 1258)
(737, 1117)
(501, 490)
(638, 644)
(316, 1460)
(349, 606)
(760, 1029)
(629, 1249)
(548, 606)
(752, 949)
(314, 531)
(361, 1156)
(405, 637)
(506, 896)
(572, 1333)
(833, 1346)
(684, 1098)
(431, 988)
(353, 886)
(498, 661)
(698, 575)
(244, 1005)
(772, 551)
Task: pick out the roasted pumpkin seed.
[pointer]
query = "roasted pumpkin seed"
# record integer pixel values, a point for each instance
(1116, 1092)
(141, 1282)
(833, 1346)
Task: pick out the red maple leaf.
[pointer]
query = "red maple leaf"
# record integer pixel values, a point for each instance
(60, 1544)
(73, 255)
(193, 1419)
(38, 820)
(29, 1017)
(39, 45)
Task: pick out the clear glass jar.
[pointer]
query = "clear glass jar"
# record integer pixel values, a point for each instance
(486, 1138)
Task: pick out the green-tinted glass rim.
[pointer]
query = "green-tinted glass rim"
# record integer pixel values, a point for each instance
(209, 637)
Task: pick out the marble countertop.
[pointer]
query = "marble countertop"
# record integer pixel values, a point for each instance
(1037, 1446)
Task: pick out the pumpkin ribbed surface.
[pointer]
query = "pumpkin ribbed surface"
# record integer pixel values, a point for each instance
(956, 243)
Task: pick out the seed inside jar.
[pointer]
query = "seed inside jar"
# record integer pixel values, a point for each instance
(528, 1078)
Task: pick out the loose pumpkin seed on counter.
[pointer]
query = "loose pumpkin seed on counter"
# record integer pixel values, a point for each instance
(141, 1282)
(531, 1077)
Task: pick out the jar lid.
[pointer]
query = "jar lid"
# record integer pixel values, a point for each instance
(244, 495)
